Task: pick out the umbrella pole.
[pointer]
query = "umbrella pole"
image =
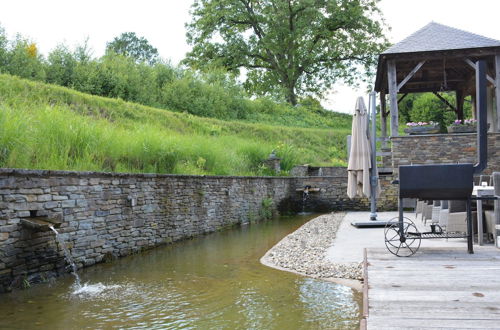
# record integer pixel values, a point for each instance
(373, 170)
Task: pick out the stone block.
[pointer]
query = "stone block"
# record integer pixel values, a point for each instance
(85, 225)
(82, 203)
(97, 243)
(68, 203)
(51, 205)
(44, 198)
(26, 206)
(34, 191)
(101, 213)
(59, 197)
(23, 214)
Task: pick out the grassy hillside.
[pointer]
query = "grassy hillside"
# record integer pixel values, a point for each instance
(45, 126)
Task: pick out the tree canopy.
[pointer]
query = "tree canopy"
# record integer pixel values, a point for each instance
(130, 45)
(288, 48)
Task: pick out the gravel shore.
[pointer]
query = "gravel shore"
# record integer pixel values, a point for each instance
(304, 251)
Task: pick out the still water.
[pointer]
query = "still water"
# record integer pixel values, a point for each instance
(211, 282)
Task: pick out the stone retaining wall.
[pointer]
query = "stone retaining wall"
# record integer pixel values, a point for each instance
(107, 215)
(333, 195)
(443, 148)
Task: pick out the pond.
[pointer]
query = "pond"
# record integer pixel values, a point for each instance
(210, 282)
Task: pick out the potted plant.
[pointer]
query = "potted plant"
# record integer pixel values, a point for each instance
(463, 126)
(422, 127)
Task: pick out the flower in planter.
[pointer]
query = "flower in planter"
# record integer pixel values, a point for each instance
(422, 123)
(468, 122)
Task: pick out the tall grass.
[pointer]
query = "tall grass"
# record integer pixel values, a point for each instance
(49, 127)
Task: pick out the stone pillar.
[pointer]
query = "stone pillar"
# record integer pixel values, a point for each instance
(273, 163)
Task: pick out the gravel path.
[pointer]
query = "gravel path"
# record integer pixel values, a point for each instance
(304, 251)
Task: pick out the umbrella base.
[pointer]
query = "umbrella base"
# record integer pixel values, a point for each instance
(369, 224)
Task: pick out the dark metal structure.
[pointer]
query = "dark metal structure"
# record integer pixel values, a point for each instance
(440, 182)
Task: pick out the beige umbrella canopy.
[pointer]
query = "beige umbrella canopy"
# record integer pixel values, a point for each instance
(358, 169)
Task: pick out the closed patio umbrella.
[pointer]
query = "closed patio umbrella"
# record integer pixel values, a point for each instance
(358, 169)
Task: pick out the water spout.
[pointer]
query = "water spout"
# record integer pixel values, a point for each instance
(68, 257)
(305, 196)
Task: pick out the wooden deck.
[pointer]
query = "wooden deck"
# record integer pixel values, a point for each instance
(434, 289)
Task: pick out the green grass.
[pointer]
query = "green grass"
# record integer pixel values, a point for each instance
(44, 126)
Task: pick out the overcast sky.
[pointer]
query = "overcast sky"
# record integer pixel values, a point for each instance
(50, 22)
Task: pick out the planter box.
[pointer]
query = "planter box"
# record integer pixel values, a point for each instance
(420, 130)
(462, 129)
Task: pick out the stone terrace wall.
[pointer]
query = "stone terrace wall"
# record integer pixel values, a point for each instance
(444, 148)
(99, 220)
(107, 215)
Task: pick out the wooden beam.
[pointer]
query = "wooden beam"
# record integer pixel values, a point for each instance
(420, 82)
(445, 101)
(393, 96)
(460, 97)
(410, 75)
(426, 89)
(497, 91)
(473, 65)
(402, 97)
(473, 103)
(383, 118)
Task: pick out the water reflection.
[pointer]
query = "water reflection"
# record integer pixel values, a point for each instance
(213, 282)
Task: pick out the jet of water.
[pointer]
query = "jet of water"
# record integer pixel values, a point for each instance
(68, 257)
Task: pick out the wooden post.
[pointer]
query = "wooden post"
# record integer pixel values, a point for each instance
(473, 103)
(393, 96)
(497, 92)
(383, 118)
(460, 96)
(490, 101)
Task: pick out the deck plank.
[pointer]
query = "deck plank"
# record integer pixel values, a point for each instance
(435, 289)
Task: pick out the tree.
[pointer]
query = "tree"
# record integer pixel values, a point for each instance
(288, 47)
(427, 107)
(130, 45)
(60, 67)
(3, 49)
(24, 60)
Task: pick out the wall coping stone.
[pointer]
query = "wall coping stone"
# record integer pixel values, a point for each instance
(438, 135)
(40, 173)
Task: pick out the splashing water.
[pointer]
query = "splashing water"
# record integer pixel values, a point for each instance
(97, 290)
(67, 256)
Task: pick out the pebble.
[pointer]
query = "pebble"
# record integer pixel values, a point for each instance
(304, 251)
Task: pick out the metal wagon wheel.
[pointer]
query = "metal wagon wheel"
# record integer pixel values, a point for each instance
(403, 244)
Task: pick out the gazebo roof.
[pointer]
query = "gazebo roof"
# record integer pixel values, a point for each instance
(436, 37)
(444, 50)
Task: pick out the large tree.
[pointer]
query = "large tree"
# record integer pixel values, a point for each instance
(288, 47)
(130, 45)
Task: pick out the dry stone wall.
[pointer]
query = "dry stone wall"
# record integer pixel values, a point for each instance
(108, 215)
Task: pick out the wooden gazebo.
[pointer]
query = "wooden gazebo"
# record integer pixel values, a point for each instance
(437, 58)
